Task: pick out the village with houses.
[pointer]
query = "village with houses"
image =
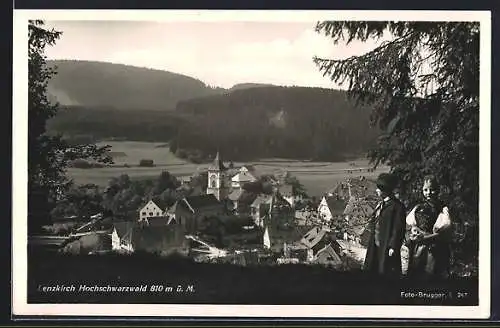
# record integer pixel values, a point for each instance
(227, 224)
(248, 163)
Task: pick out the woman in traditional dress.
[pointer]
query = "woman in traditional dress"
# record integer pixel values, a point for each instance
(430, 227)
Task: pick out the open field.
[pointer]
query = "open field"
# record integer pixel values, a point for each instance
(317, 177)
(131, 152)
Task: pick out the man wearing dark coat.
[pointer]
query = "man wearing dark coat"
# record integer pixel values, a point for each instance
(383, 256)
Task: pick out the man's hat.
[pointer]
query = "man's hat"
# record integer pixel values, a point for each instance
(386, 182)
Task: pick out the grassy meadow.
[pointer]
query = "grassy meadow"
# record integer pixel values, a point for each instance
(317, 177)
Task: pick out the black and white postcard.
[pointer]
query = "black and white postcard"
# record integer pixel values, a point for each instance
(244, 164)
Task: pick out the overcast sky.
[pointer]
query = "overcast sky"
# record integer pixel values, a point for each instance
(218, 53)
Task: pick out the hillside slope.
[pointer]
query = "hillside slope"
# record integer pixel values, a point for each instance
(289, 122)
(248, 121)
(123, 87)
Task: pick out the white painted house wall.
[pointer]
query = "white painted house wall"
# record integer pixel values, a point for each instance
(120, 244)
(115, 240)
(242, 177)
(150, 210)
(324, 211)
(244, 169)
(290, 200)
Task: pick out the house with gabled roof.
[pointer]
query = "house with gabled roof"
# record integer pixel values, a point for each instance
(241, 178)
(191, 210)
(250, 169)
(286, 191)
(263, 205)
(240, 201)
(121, 236)
(327, 256)
(234, 198)
(153, 208)
(135, 236)
(357, 214)
(331, 207)
(313, 237)
(356, 208)
(163, 240)
(260, 208)
(317, 242)
(170, 213)
(185, 180)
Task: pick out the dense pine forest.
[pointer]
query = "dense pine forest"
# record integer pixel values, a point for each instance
(248, 121)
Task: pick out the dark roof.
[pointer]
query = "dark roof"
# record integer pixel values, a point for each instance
(201, 201)
(358, 207)
(172, 209)
(218, 164)
(328, 255)
(264, 201)
(313, 236)
(157, 221)
(363, 187)
(161, 204)
(336, 205)
(159, 238)
(93, 242)
(122, 228)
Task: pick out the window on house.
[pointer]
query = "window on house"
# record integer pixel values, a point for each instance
(151, 213)
(213, 184)
(143, 213)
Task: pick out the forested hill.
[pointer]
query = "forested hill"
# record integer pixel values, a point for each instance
(100, 85)
(247, 121)
(289, 122)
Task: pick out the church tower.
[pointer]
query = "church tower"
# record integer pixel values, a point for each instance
(217, 179)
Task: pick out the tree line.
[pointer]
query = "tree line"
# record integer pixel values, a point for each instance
(287, 122)
(122, 196)
(91, 124)
(423, 88)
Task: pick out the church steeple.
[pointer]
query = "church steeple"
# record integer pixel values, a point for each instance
(218, 164)
(217, 179)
